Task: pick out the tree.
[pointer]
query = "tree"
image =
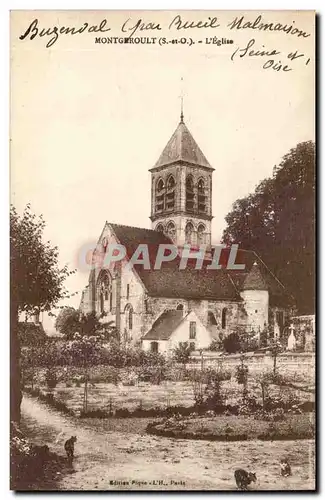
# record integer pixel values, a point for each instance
(71, 321)
(278, 222)
(36, 284)
(276, 347)
(242, 376)
(231, 343)
(182, 353)
(85, 351)
(31, 334)
(67, 322)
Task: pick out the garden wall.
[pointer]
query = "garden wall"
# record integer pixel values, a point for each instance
(287, 363)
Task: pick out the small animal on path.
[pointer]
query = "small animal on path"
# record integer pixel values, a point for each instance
(285, 467)
(69, 446)
(244, 478)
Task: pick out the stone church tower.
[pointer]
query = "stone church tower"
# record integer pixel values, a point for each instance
(181, 191)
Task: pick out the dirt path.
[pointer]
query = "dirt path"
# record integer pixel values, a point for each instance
(116, 456)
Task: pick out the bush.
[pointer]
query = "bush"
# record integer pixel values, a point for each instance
(241, 374)
(231, 343)
(30, 463)
(216, 345)
(182, 353)
(51, 378)
(270, 416)
(153, 374)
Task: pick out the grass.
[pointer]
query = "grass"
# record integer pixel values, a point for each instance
(236, 428)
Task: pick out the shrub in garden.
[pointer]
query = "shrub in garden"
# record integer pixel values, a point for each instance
(130, 379)
(214, 399)
(182, 353)
(231, 343)
(216, 345)
(153, 374)
(275, 415)
(29, 462)
(51, 378)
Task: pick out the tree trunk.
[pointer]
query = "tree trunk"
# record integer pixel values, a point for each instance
(86, 391)
(274, 364)
(15, 370)
(263, 396)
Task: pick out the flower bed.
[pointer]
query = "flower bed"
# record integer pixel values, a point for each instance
(235, 428)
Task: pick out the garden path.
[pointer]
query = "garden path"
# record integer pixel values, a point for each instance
(112, 451)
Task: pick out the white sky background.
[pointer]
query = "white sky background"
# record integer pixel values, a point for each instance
(88, 121)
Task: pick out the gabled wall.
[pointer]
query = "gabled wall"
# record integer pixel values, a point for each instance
(182, 334)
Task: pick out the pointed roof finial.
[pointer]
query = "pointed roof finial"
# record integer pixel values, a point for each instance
(182, 99)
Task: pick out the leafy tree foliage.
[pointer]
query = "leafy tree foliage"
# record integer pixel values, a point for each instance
(231, 343)
(35, 276)
(67, 322)
(85, 350)
(36, 283)
(71, 321)
(182, 353)
(31, 334)
(278, 222)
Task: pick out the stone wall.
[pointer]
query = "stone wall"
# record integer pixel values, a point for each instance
(287, 363)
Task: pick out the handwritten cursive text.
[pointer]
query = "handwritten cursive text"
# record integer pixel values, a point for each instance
(54, 32)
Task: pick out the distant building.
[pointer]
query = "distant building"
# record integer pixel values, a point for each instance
(181, 212)
(172, 328)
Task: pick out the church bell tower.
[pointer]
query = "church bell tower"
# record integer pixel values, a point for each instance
(181, 191)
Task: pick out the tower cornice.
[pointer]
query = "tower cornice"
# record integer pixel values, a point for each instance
(182, 163)
(175, 213)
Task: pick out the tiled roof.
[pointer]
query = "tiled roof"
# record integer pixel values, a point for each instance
(254, 279)
(165, 325)
(182, 146)
(196, 284)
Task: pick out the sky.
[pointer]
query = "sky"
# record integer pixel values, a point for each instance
(89, 120)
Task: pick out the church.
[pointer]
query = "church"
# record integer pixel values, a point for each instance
(147, 306)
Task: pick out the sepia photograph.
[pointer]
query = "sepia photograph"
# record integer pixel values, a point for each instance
(162, 250)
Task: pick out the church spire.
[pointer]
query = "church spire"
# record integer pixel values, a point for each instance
(182, 114)
(182, 101)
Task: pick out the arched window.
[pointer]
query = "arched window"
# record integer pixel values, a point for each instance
(189, 183)
(160, 195)
(160, 185)
(104, 291)
(189, 233)
(101, 303)
(201, 198)
(201, 234)
(180, 307)
(170, 182)
(171, 231)
(224, 318)
(200, 186)
(189, 194)
(128, 317)
(160, 228)
(211, 319)
(170, 197)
